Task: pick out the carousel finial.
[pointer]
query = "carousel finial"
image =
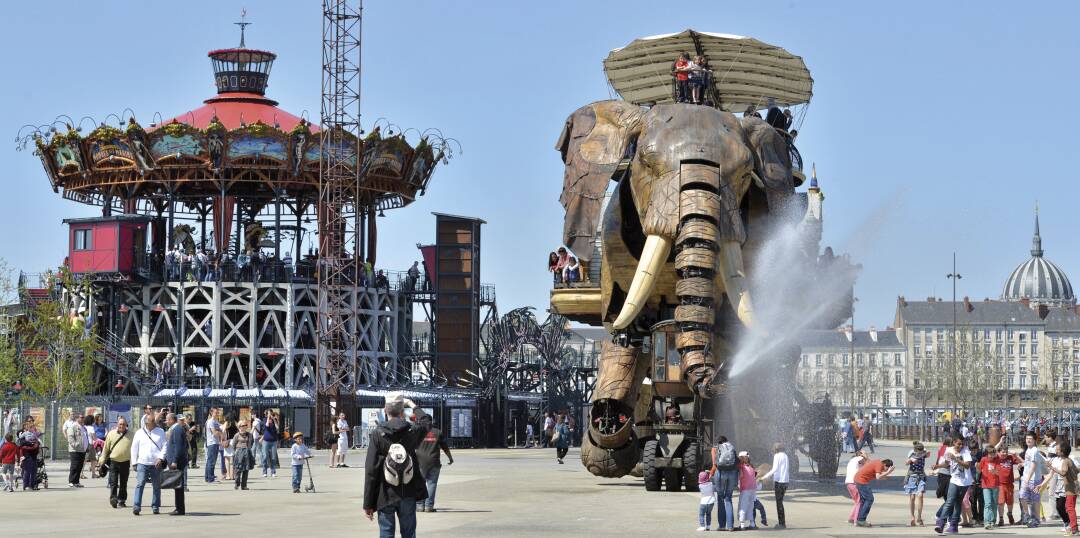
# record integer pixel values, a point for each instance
(242, 25)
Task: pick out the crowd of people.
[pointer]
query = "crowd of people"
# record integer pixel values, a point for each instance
(978, 480)
(731, 470)
(564, 267)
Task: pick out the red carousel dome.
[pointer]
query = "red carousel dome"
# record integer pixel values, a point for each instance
(241, 76)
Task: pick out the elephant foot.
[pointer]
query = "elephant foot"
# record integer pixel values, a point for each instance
(608, 462)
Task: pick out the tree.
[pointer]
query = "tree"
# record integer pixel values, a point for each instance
(56, 346)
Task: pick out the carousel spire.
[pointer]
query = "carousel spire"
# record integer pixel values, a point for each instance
(242, 24)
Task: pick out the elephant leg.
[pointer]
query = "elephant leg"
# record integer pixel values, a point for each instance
(608, 448)
(696, 250)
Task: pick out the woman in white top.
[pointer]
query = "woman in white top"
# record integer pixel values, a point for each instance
(780, 476)
(849, 480)
(343, 439)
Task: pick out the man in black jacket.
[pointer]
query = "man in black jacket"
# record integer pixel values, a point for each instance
(176, 456)
(385, 498)
(430, 462)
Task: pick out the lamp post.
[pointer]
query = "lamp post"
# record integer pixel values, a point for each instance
(851, 357)
(953, 276)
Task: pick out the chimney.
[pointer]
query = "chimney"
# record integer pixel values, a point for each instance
(967, 304)
(1026, 302)
(873, 333)
(1043, 311)
(903, 302)
(929, 299)
(1077, 310)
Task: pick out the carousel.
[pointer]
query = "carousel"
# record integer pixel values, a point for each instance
(202, 269)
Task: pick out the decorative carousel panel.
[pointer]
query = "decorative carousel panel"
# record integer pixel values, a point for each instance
(67, 154)
(179, 143)
(109, 150)
(422, 165)
(391, 158)
(258, 143)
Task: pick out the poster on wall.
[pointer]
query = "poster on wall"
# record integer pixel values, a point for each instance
(39, 417)
(461, 422)
(119, 410)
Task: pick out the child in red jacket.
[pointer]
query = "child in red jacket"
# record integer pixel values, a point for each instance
(9, 454)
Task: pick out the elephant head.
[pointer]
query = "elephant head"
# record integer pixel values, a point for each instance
(699, 179)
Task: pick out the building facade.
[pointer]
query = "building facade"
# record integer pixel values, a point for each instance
(860, 369)
(1022, 351)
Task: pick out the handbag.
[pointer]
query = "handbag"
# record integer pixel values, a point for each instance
(555, 436)
(172, 479)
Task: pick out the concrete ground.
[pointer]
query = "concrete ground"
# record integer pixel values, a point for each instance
(510, 492)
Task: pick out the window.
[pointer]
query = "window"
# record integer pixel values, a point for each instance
(1009, 351)
(986, 349)
(915, 382)
(1023, 348)
(83, 239)
(916, 364)
(859, 359)
(997, 349)
(1022, 336)
(832, 379)
(1034, 349)
(897, 360)
(1011, 384)
(832, 360)
(1023, 380)
(1010, 336)
(846, 359)
(803, 362)
(1034, 380)
(918, 350)
(817, 360)
(941, 363)
(1034, 334)
(986, 334)
(899, 378)
(899, 398)
(885, 399)
(873, 360)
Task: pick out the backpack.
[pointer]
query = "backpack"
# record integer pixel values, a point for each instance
(398, 466)
(725, 456)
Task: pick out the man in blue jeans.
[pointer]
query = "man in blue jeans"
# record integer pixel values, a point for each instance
(393, 484)
(958, 459)
(870, 471)
(213, 439)
(725, 477)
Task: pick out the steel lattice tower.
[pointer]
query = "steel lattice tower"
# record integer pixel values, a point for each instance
(340, 238)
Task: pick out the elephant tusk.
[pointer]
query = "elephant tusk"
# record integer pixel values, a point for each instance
(652, 260)
(734, 279)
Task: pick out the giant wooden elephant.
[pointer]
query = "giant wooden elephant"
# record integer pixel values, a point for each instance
(701, 188)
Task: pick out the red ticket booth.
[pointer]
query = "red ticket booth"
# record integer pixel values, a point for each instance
(107, 245)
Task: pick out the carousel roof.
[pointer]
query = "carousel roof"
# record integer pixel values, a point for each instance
(745, 71)
(236, 109)
(238, 138)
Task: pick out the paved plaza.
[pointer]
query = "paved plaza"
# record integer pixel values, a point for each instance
(521, 492)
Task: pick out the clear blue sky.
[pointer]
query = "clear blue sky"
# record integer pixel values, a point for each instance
(936, 126)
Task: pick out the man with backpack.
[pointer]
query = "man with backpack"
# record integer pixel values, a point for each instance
(393, 483)
(725, 477)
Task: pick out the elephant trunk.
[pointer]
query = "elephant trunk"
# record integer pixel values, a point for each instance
(700, 270)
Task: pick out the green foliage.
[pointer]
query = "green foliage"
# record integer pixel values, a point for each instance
(56, 359)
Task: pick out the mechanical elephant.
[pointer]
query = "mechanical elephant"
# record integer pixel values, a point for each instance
(700, 188)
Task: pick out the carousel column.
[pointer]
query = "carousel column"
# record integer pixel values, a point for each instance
(290, 335)
(217, 317)
(253, 336)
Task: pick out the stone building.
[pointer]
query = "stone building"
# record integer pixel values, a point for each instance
(1022, 351)
(867, 368)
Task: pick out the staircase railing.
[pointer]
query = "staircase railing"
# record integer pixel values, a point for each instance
(110, 354)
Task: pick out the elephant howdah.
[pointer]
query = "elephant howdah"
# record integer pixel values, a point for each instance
(672, 240)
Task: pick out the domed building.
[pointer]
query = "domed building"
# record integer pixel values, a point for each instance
(1038, 280)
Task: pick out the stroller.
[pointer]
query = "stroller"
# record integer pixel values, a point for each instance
(41, 478)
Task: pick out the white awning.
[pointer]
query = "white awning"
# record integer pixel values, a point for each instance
(745, 71)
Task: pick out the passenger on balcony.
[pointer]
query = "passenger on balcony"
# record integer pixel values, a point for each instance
(683, 68)
(699, 79)
(381, 281)
(572, 271)
(776, 117)
(201, 268)
(243, 265)
(553, 267)
(413, 276)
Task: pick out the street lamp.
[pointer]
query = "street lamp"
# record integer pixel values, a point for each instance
(953, 276)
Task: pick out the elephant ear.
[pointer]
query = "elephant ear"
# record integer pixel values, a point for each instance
(772, 161)
(592, 143)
